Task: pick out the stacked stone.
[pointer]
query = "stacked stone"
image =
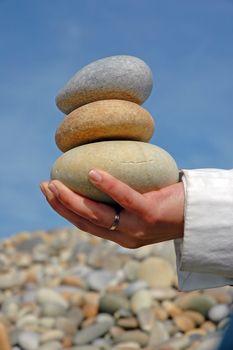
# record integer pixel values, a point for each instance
(106, 128)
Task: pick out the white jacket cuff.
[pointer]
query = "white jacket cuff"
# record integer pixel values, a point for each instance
(205, 254)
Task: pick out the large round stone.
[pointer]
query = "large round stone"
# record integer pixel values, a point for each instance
(116, 77)
(142, 166)
(104, 120)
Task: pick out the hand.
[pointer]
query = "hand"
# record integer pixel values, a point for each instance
(147, 218)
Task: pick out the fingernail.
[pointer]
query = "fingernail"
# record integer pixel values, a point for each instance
(43, 189)
(53, 189)
(49, 194)
(95, 176)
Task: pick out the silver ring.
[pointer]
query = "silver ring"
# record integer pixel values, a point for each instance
(116, 222)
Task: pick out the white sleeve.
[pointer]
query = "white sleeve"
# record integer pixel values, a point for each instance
(205, 254)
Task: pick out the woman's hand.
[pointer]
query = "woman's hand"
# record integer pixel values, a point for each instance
(146, 218)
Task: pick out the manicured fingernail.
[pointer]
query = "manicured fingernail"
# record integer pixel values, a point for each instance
(53, 189)
(95, 176)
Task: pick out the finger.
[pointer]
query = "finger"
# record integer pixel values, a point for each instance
(97, 213)
(56, 205)
(120, 192)
(80, 222)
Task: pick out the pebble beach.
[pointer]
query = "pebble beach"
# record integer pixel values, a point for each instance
(66, 289)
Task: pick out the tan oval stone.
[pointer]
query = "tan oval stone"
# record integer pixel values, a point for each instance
(197, 317)
(133, 335)
(74, 281)
(221, 295)
(156, 271)
(67, 342)
(77, 299)
(130, 322)
(184, 323)
(161, 294)
(209, 326)
(88, 322)
(90, 310)
(160, 313)
(172, 309)
(142, 166)
(104, 120)
(196, 331)
(91, 298)
(140, 300)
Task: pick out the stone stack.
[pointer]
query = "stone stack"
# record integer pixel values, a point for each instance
(106, 128)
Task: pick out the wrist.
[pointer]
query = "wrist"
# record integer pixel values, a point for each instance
(172, 210)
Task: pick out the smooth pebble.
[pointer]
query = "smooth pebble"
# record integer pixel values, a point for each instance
(143, 166)
(104, 120)
(218, 312)
(115, 77)
(157, 272)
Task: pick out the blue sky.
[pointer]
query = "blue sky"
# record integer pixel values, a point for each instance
(187, 44)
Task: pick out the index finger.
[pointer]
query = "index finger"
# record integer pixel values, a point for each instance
(120, 192)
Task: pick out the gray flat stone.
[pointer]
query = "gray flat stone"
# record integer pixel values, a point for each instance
(146, 319)
(210, 342)
(104, 317)
(158, 335)
(46, 295)
(52, 335)
(90, 333)
(14, 335)
(9, 308)
(218, 312)
(47, 322)
(136, 336)
(110, 303)
(102, 344)
(116, 77)
(177, 343)
(29, 340)
(200, 303)
(52, 309)
(66, 325)
(27, 320)
(100, 279)
(75, 315)
(51, 345)
(134, 287)
(131, 269)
